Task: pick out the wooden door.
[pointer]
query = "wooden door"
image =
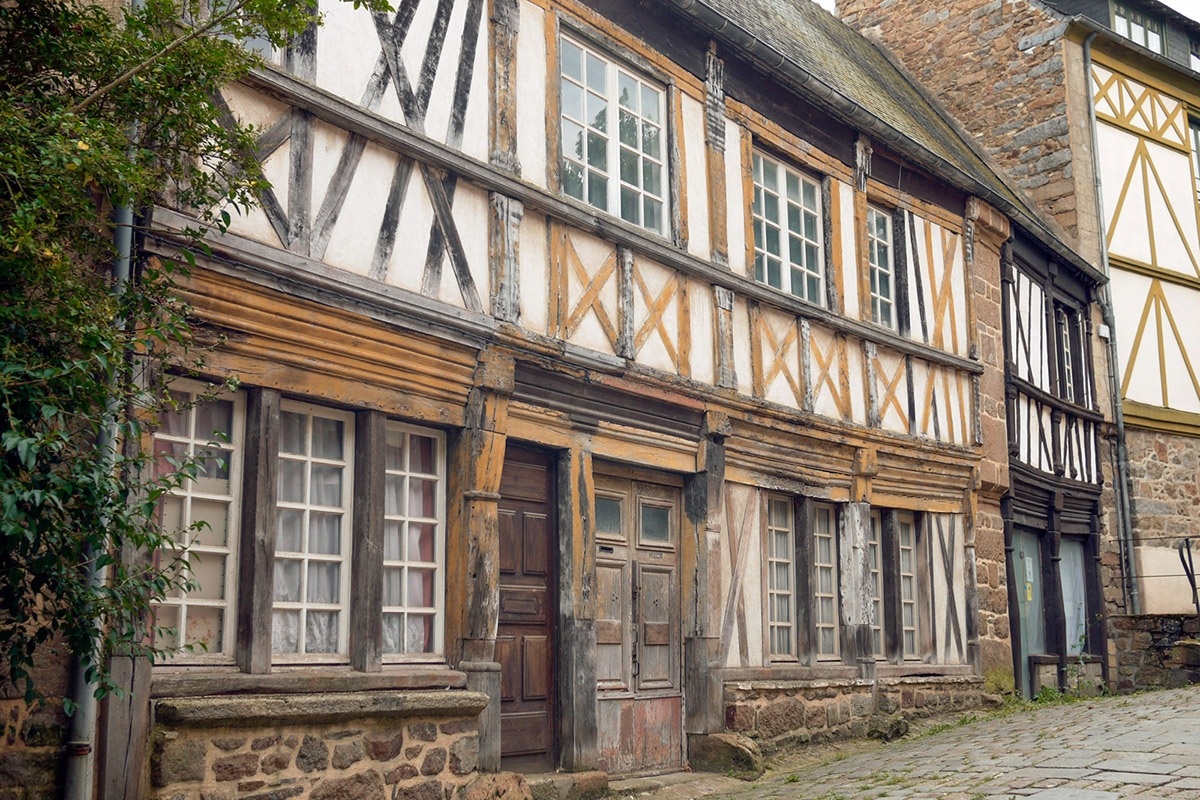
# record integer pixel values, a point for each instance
(525, 638)
(637, 626)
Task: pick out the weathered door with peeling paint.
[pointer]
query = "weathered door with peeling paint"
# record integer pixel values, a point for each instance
(637, 625)
(525, 639)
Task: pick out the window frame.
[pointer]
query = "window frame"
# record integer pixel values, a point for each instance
(614, 68)
(1194, 147)
(818, 622)
(1194, 54)
(342, 655)
(875, 561)
(790, 596)
(440, 474)
(783, 223)
(1149, 24)
(232, 550)
(904, 518)
(876, 299)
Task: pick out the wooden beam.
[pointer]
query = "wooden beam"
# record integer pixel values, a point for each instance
(504, 20)
(577, 611)
(366, 552)
(504, 256)
(714, 155)
(890, 601)
(255, 573)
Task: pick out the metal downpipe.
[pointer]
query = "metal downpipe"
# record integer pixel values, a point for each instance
(1121, 456)
(80, 749)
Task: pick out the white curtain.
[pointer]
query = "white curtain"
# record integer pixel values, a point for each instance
(1074, 594)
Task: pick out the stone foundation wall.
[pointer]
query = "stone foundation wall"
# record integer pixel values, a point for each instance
(31, 739)
(788, 713)
(395, 755)
(1149, 651)
(995, 644)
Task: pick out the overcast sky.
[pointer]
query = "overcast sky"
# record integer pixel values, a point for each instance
(1189, 8)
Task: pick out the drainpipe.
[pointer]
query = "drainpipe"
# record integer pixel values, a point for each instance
(1121, 457)
(81, 746)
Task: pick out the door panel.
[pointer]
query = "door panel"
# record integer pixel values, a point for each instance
(1027, 557)
(638, 638)
(525, 638)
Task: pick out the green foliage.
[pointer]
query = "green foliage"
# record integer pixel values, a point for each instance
(99, 110)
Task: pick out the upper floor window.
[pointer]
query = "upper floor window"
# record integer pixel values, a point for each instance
(909, 618)
(787, 230)
(1072, 369)
(1194, 55)
(1138, 27)
(881, 264)
(1194, 141)
(613, 137)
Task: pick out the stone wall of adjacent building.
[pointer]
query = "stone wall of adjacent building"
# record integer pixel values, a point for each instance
(1155, 650)
(32, 737)
(787, 713)
(406, 758)
(998, 67)
(1164, 470)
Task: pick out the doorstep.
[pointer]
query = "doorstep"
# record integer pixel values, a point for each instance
(568, 785)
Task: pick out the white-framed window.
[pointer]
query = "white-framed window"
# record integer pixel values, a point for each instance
(781, 592)
(1067, 323)
(413, 540)
(881, 263)
(873, 558)
(788, 251)
(824, 549)
(1194, 54)
(202, 513)
(1138, 27)
(312, 539)
(613, 124)
(909, 618)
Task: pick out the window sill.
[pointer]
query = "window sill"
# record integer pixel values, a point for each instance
(227, 680)
(254, 711)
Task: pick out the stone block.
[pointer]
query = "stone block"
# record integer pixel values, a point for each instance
(383, 746)
(785, 714)
(726, 753)
(347, 753)
(464, 755)
(275, 761)
(263, 742)
(176, 761)
(739, 717)
(435, 761)
(281, 793)
(423, 731)
(588, 786)
(234, 768)
(313, 755)
(400, 773)
(363, 786)
(887, 728)
(814, 717)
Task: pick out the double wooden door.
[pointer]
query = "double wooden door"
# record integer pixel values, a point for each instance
(525, 637)
(638, 640)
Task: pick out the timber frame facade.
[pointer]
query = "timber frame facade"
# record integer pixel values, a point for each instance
(602, 386)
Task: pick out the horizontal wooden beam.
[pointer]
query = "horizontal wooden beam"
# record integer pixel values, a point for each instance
(399, 138)
(1042, 396)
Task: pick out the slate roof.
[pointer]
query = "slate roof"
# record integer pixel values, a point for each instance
(809, 37)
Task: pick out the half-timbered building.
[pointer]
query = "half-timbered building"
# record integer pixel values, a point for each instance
(610, 375)
(1109, 98)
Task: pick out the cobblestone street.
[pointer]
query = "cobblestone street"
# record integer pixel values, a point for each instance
(1144, 746)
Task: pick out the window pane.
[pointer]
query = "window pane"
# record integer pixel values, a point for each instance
(393, 495)
(419, 588)
(326, 487)
(597, 112)
(652, 178)
(597, 74)
(608, 516)
(572, 179)
(656, 523)
(321, 632)
(207, 575)
(597, 191)
(323, 577)
(287, 580)
(419, 634)
(572, 60)
(572, 140)
(572, 101)
(627, 92)
(392, 535)
(652, 218)
(628, 128)
(291, 481)
(204, 629)
(629, 167)
(285, 631)
(650, 103)
(420, 541)
(421, 497)
(214, 421)
(214, 514)
(597, 151)
(393, 626)
(629, 205)
(327, 438)
(292, 433)
(325, 534)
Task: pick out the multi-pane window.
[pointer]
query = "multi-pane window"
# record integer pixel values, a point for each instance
(613, 137)
(825, 580)
(1138, 27)
(412, 540)
(787, 230)
(880, 260)
(908, 585)
(1194, 54)
(780, 589)
(1068, 354)
(312, 539)
(202, 515)
(873, 550)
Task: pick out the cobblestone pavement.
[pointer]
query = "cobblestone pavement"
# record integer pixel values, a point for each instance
(1144, 746)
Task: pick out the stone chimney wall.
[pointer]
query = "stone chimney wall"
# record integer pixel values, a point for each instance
(998, 67)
